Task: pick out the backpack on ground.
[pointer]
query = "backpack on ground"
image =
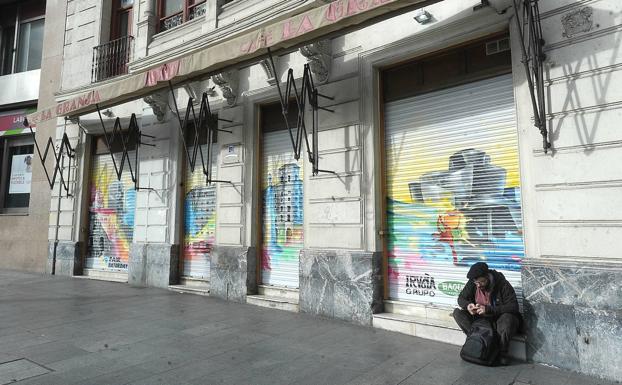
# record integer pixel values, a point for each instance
(482, 344)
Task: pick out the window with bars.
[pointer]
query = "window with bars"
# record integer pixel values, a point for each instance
(173, 13)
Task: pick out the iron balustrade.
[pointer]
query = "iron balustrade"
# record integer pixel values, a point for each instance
(112, 58)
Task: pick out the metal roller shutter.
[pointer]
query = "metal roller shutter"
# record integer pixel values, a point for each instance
(282, 211)
(111, 215)
(453, 189)
(199, 220)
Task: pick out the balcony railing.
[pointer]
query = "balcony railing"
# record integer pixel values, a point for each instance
(111, 59)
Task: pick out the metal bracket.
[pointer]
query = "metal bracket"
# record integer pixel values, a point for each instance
(65, 150)
(532, 43)
(205, 122)
(308, 94)
(118, 133)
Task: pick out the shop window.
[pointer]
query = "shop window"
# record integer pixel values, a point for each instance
(176, 12)
(17, 157)
(21, 30)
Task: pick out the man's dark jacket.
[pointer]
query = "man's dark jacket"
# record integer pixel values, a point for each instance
(502, 296)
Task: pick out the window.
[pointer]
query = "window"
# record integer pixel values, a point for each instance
(21, 36)
(121, 19)
(175, 12)
(17, 157)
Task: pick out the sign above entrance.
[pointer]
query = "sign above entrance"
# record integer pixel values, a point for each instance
(11, 122)
(304, 27)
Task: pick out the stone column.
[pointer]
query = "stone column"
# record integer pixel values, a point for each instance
(211, 15)
(146, 27)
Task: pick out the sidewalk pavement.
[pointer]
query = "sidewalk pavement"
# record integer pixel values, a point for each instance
(56, 330)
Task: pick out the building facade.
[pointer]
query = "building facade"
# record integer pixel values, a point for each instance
(425, 160)
(30, 46)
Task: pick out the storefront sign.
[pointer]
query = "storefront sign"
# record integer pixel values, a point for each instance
(21, 174)
(12, 122)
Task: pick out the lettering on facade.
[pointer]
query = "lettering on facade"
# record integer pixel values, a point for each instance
(420, 285)
(78, 102)
(297, 26)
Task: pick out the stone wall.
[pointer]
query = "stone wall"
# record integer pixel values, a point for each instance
(573, 317)
(341, 284)
(233, 273)
(68, 259)
(153, 265)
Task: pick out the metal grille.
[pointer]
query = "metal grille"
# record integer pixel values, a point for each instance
(200, 221)
(453, 189)
(111, 59)
(111, 216)
(282, 187)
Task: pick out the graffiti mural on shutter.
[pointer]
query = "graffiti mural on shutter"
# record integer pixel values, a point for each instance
(111, 216)
(199, 221)
(453, 189)
(282, 211)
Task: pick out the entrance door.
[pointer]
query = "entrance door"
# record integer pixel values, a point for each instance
(453, 189)
(199, 220)
(282, 210)
(111, 213)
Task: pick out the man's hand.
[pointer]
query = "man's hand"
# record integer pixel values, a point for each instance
(481, 310)
(472, 308)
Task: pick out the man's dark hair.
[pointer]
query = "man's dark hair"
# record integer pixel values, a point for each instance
(479, 269)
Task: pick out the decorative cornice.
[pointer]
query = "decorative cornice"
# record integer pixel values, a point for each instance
(318, 55)
(158, 101)
(267, 67)
(577, 22)
(227, 82)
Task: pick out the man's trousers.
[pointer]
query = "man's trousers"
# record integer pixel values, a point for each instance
(505, 324)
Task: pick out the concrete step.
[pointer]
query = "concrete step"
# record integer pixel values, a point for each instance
(189, 289)
(422, 310)
(440, 330)
(194, 283)
(291, 295)
(103, 275)
(272, 302)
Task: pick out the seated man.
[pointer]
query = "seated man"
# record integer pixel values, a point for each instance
(488, 294)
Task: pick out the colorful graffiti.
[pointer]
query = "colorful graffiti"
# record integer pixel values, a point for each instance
(199, 226)
(449, 207)
(283, 220)
(111, 217)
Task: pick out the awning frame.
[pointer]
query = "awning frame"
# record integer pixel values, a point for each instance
(308, 94)
(207, 122)
(532, 47)
(133, 130)
(335, 18)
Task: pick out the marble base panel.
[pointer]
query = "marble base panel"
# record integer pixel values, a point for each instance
(68, 260)
(574, 317)
(341, 284)
(153, 265)
(233, 273)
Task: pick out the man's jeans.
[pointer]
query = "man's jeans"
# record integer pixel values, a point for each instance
(506, 325)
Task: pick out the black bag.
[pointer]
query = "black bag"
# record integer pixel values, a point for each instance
(482, 345)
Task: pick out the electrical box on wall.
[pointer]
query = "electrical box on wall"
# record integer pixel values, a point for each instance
(231, 153)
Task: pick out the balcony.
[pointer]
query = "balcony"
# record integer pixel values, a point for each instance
(112, 58)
